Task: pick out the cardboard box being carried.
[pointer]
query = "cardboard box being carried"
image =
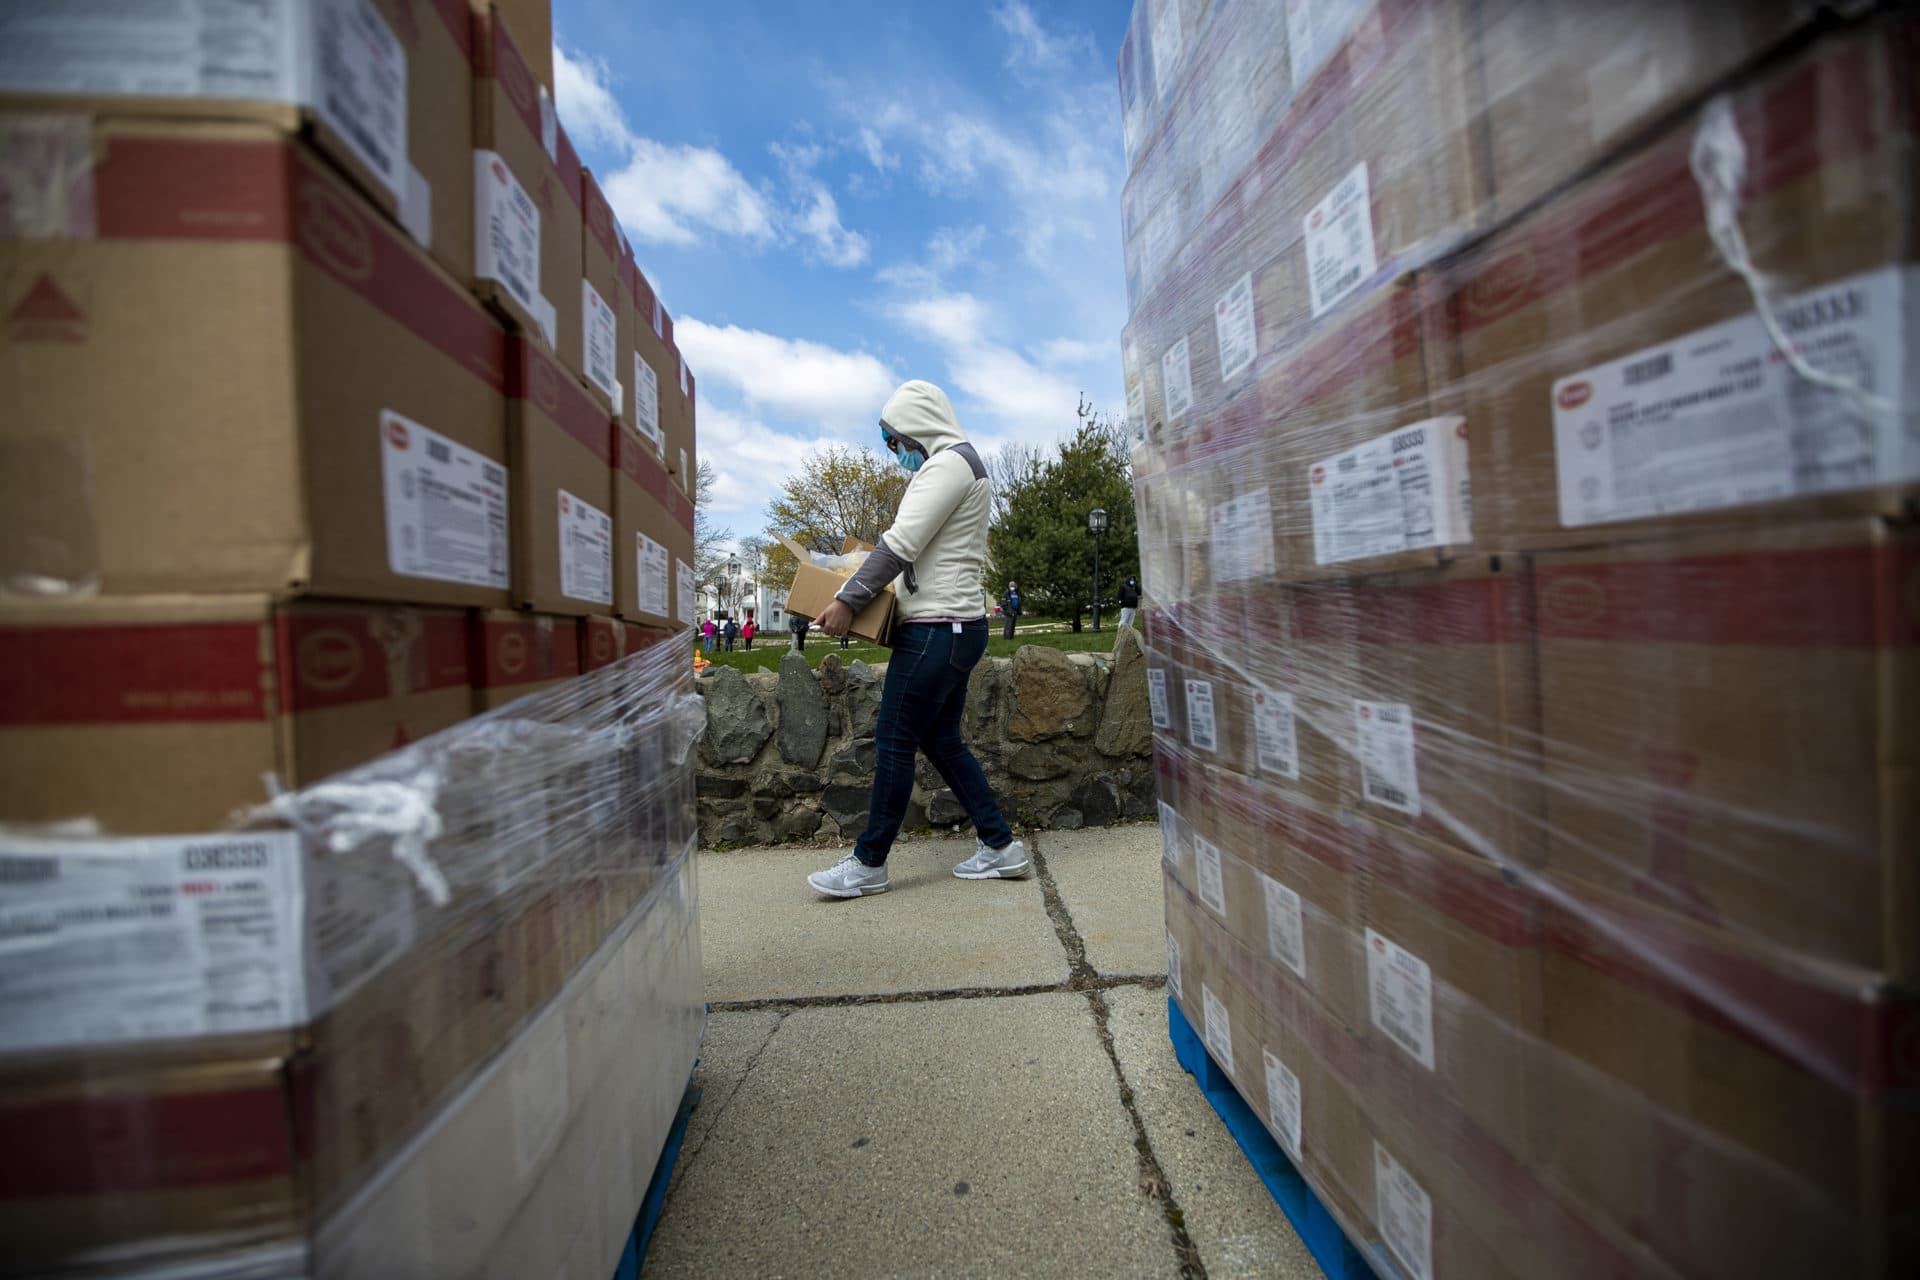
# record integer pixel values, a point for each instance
(227, 372)
(815, 584)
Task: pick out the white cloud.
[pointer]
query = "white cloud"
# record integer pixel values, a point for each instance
(842, 391)
(816, 219)
(749, 459)
(948, 249)
(875, 150)
(985, 370)
(666, 193)
(1072, 352)
(1031, 47)
(584, 101)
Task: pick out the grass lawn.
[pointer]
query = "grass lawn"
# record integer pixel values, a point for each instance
(766, 653)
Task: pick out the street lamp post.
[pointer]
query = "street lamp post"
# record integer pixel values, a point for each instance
(1097, 522)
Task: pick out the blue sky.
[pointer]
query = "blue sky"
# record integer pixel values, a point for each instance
(834, 197)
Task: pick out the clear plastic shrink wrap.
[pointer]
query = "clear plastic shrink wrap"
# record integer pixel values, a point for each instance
(1529, 438)
(430, 1016)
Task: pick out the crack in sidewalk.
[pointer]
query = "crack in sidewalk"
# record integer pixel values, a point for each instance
(690, 1151)
(1083, 978)
(846, 999)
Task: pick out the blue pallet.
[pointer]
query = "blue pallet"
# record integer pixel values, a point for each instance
(656, 1198)
(1318, 1229)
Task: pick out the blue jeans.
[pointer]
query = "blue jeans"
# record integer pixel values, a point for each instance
(920, 708)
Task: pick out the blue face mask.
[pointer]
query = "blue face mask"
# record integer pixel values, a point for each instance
(909, 459)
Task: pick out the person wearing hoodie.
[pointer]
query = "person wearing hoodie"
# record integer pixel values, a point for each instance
(934, 554)
(1129, 602)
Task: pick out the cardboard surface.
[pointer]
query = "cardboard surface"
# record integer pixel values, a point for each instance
(652, 524)
(1729, 731)
(513, 655)
(561, 446)
(512, 121)
(655, 403)
(161, 714)
(813, 590)
(350, 367)
(1621, 267)
(603, 250)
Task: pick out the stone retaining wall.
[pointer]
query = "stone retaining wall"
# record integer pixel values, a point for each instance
(1066, 739)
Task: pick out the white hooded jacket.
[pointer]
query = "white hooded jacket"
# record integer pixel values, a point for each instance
(936, 550)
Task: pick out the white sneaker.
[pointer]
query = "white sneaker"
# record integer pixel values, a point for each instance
(850, 878)
(1009, 863)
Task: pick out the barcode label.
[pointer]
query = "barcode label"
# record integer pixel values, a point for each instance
(1405, 1211)
(1233, 325)
(1286, 927)
(1169, 835)
(600, 335)
(651, 586)
(646, 403)
(586, 551)
(1283, 1102)
(1402, 491)
(1176, 380)
(1201, 728)
(446, 506)
(362, 89)
(1157, 698)
(1206, 868)
(1173, 963)
(509, 251)
(1218, 1025)
(1647, 370)
(1339, 241)
(1400, 996)
(1388, 771)
(1276, 739)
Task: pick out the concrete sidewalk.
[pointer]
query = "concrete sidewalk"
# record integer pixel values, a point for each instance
(954, 1078)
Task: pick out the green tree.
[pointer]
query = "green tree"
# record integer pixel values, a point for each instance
(838, 493)
(1041, 540)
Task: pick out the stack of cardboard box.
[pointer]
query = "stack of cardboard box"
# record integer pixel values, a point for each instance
(338, 412)
(1526, 477)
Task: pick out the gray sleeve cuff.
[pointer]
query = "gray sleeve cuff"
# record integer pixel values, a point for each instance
(882, 567)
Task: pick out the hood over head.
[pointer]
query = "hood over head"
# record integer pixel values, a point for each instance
(920, 412)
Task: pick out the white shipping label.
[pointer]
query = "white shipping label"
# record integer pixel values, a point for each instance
(1339, 241)
(1200, 723)
(1168, 45)
(1405, 1211)
(155, 938)
(1157, 698)
(1241, 536)
(683, 377)
(1400, 995)
(600, 335)
(1720, 419)
(360, 87)
(507, 222)
(446, 506)
(586, 551)
(1286, 927)
(1275, 736)
(1217, 1026)
(1173, 963)
(646, 403)
(1388, 771)
(1315, 28)
(1206, 870)
(1137, 408)
(652, 585)
(1283, 1102)
(1169, 835)
(182, 49)
(683, 591)
(1402, 491)
(1233, 323)
(1176, 380)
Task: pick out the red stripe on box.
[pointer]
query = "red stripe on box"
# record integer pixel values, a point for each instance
(164, 673)
(568, 161)
(354, 246)
(1846, 1032)
(503, 65)
(1384, 330)
(515, 651)
(636, 460)
(599, 217)
(534, 377)
(159, 188)
(338, 658)
(1859, 597)
(458, 19)
(143, 1142)
(600, 641)
(1822, 113)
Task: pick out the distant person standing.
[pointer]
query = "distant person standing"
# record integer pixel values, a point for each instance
(1010, 607)
(732, 630)
(707, 630)
(799, 625)
(1129, 602)
(746, 633)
